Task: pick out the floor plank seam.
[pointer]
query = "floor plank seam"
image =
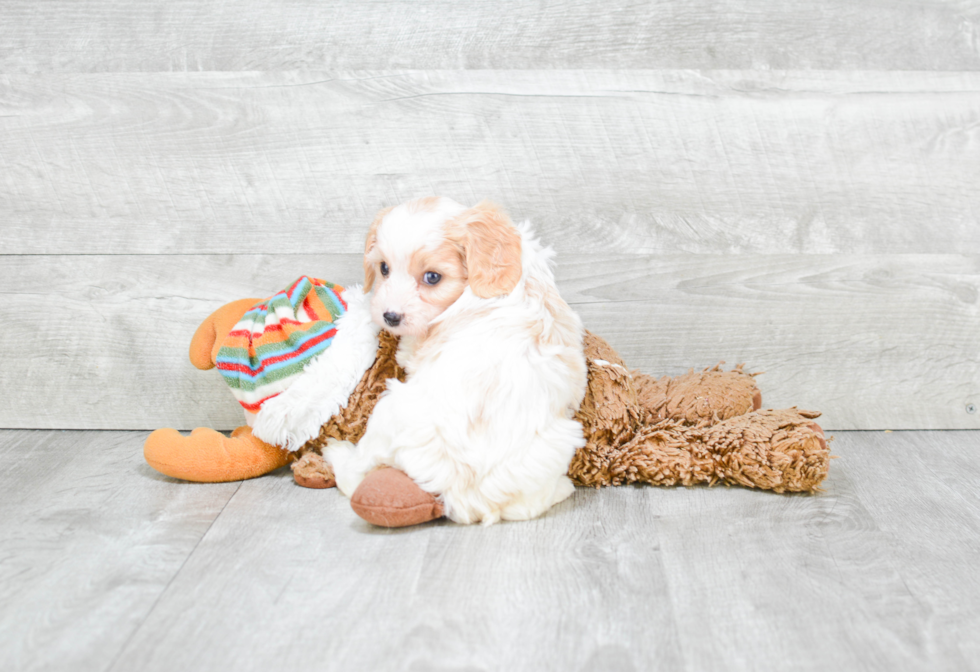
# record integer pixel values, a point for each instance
(163, 592)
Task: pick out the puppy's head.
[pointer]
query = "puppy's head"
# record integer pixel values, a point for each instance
(420, 256)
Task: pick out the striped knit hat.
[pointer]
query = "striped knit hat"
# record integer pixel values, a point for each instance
(273, 342)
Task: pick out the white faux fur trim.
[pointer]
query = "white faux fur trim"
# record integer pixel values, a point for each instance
(294, 417)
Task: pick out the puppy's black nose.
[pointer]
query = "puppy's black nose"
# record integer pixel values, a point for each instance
(392, 319)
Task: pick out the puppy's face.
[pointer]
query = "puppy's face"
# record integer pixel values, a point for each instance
(420, 256)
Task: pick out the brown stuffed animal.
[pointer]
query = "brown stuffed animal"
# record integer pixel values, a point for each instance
(697, 428)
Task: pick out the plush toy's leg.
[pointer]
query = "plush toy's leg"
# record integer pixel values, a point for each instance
(312, 471)
(388, 498)
(207, 456)
(782, 451)
(212, 331)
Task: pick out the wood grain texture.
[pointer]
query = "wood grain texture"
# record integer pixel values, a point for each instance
(931, 480)
(858, 551)
(620, 162)
(106, 35)
(876, 341)
(89, 539)
(580, 585)
(106, 566)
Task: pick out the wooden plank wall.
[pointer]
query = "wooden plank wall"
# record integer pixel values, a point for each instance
(792, 186)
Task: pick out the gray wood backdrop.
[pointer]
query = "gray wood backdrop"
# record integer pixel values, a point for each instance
(790, 185)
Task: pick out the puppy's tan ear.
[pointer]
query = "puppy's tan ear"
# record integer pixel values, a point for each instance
(369, 244)
(492, 248)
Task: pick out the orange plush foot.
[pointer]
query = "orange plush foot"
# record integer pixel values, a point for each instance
(389, 498)
(214, 329)
(207, 456)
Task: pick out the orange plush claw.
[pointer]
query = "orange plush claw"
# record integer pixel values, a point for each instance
(207, 456)
(388, 498)
(214, 329)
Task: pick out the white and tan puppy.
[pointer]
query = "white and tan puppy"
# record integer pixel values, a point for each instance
(494, 361)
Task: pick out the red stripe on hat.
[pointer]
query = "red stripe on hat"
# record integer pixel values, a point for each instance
(233, 366)
(254, 408)
(292, 287)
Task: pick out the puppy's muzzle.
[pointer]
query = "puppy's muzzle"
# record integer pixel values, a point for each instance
(392, 319)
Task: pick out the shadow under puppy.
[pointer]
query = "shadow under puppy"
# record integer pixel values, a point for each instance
(494, 362)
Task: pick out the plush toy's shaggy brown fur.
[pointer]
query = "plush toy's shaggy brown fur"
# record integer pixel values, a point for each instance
(697, 428)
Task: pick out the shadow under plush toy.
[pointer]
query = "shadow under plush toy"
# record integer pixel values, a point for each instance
(700, 428)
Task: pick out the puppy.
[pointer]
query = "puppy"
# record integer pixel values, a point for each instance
(494, 361)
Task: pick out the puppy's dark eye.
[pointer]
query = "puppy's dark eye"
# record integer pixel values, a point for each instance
(384, 269)
(431, 278)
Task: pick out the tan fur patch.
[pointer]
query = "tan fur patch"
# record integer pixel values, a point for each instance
(447, 261)
(369, 244)
(492, 247)
(564, 329)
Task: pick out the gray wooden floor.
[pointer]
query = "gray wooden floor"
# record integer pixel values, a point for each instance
(106, 565)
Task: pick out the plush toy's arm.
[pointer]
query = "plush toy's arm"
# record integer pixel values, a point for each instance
(295, 416)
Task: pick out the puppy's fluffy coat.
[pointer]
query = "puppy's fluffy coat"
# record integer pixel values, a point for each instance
(494, 359)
